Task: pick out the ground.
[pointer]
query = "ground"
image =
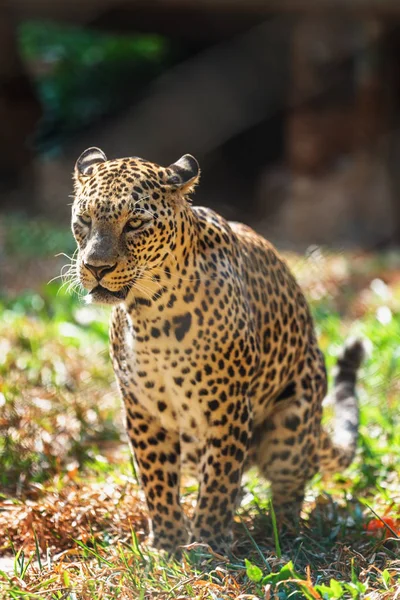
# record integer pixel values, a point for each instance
(72, 517)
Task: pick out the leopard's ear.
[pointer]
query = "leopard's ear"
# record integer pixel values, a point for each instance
(86, 161)
(184, 174)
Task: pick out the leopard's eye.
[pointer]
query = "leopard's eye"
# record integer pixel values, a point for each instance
(85, 220)
(133, 225)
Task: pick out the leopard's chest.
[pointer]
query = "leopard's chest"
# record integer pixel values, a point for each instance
(165, 364)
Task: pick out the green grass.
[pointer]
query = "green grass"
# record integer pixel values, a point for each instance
(72, 518)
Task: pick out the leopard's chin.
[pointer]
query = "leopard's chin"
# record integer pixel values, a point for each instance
(101, 295)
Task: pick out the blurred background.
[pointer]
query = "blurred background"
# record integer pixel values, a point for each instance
(292, 107)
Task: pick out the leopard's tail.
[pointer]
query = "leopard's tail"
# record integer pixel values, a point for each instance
(337, 450)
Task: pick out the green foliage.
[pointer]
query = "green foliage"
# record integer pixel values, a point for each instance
(83, 46)
(33, 238)
(333, 591)
(83, 75)
(253, 572)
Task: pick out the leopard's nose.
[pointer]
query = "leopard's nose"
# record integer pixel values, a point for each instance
(98, 271)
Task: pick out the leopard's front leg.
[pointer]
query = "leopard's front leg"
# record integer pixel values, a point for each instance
(224, 449)
(157, 452)
(156, 449)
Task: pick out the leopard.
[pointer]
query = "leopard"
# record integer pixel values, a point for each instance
(213, 346)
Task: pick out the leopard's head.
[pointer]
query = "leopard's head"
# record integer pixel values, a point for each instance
(126, 219)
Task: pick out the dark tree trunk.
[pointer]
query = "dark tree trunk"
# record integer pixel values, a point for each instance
(19, 106)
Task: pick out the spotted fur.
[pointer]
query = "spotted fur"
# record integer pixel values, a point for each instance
(212, 343)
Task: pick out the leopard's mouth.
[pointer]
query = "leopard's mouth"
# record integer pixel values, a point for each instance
(102, 294)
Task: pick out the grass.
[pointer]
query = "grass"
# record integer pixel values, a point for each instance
(73, 521)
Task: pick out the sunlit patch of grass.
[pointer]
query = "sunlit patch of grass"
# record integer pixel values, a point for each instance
(72, 518)
(57, 397)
